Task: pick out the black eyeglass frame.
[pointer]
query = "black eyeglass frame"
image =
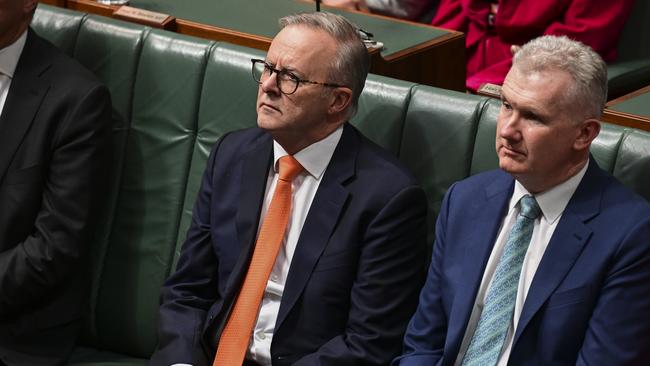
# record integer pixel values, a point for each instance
(292, 76)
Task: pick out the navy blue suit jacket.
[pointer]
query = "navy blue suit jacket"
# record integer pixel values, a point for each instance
(589, 302)
(355, 274)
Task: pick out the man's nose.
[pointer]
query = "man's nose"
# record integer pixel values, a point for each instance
(270, 85)
(509, 126)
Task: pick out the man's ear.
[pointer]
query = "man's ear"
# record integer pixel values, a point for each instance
(341, 99)
(589, 129)
(29, 6)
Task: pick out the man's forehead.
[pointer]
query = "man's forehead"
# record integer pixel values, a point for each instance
(547, 84)
(298, 34)
(298, 42)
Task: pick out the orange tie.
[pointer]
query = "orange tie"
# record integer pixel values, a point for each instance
(236, 335)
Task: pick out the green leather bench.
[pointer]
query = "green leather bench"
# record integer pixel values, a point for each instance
(174, 96)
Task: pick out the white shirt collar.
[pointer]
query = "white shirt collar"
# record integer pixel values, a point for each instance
(315, 157)
(553, 201)
(9, 56)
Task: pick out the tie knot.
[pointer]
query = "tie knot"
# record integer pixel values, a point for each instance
(529, 207)
(289, 168)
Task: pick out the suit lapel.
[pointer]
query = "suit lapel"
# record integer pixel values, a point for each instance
(567, 242)
(484, 221)
(255, 170)
(23, 100)
(321, 220)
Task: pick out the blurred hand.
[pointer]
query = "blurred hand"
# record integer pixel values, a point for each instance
(348, 4)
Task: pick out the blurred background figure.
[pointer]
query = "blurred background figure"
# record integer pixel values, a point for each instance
(416, 10)
(493, 26)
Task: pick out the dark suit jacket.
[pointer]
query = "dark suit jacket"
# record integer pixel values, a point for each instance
(54, 135)
(589, 300)
(355, 274)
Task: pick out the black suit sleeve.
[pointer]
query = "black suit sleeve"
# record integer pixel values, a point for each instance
(73, 183)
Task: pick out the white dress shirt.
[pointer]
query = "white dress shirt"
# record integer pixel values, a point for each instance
(552, 204)
(314, 158)
(8, 60)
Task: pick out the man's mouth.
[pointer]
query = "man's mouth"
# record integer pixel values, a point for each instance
(269, 106)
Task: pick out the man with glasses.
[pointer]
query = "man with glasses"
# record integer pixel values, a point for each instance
(307, 241)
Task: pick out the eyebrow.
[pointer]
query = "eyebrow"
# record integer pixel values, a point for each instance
(287, 68)
(291, 70)
(526, 111)
(502, 96)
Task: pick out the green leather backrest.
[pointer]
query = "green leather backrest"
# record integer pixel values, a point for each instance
(227, 103)
(112, 52)
(158, 151)
(174, 96)
(484, 156)
(632, 164)
(59, 26)
(382, 110)
(437, 141)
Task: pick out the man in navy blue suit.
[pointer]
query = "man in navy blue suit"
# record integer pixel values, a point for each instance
(349, 269)
(545, 261)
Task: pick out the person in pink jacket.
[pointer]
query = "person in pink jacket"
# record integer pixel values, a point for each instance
(492, 27)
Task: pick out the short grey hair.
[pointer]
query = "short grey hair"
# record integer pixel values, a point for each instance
(583, 64)
(351, 64)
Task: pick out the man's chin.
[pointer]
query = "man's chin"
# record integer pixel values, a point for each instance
(510, 166)
(266, 124)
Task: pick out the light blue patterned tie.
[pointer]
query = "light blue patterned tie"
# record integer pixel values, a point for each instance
(490, 333)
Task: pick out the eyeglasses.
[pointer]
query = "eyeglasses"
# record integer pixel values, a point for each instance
(287, 81)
